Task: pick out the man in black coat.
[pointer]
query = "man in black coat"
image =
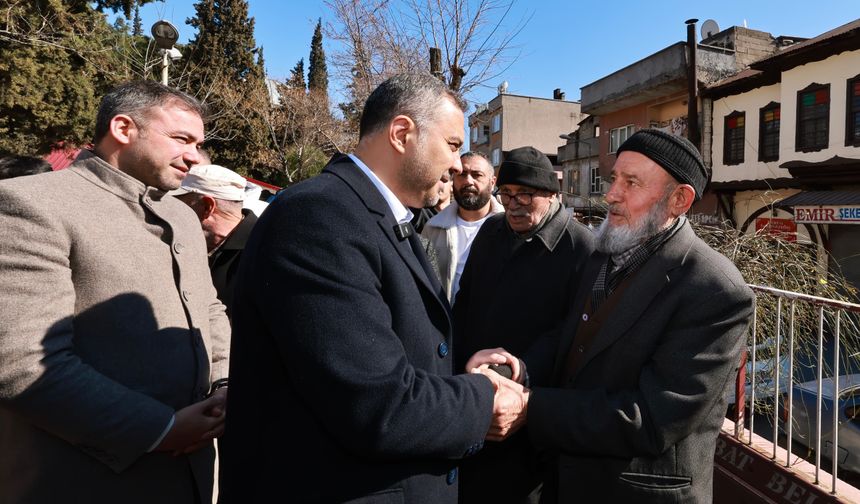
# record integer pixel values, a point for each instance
(523, 270)
(342, 387)
(648, 352)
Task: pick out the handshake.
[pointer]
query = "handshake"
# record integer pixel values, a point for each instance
(511, 400)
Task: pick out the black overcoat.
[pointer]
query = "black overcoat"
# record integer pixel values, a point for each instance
(512, 293)
(342, 388)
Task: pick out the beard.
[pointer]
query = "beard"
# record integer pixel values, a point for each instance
(469, 198)
(612, 239)
(417, 175)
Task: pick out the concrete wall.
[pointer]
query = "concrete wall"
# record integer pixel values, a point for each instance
(752, 45)
(646, 74)
(637, 116)
(537, 122)
(750, 103)
(653, 113)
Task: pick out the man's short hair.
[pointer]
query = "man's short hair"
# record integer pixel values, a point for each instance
(414, 95)
(19, 166)
(471, 154)
(136, 98)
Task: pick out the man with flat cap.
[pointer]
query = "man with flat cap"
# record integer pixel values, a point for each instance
(524, 267)
(217, 194)
(648, 352)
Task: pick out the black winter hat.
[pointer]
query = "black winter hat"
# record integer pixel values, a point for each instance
(675, 154)
(529, 167)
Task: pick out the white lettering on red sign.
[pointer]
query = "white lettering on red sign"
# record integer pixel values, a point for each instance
(793, 494)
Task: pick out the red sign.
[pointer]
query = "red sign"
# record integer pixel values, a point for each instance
(781, 228)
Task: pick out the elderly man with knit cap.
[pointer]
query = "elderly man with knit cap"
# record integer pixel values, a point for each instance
(650, 347)
(524, 267)
(216, 195)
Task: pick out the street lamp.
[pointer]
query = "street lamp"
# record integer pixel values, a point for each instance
(165, 36)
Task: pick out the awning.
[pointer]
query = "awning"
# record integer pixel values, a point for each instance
(820, 198)
(835, 170)
(755, 185)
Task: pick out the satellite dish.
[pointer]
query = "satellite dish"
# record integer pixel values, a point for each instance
(710, 28)
(165, 34)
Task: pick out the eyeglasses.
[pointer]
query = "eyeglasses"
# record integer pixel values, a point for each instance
(523, 198)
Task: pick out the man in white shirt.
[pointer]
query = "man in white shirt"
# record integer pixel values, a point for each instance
(452, 230)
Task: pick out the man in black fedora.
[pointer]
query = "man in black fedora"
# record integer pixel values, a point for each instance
(523, 270)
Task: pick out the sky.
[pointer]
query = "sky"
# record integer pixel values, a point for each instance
(565, 44)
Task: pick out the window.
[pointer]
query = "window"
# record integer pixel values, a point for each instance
(497, 123)
(596, 181)
(572, 176)
(596, 131)
(617, 137)
(474, 135)
(495, 157)
(813, 116)
(733, 138)
(852, 109)
(768, 132)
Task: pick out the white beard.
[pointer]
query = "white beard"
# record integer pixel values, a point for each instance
(614, 240)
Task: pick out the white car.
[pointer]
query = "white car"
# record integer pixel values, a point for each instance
(848, 409)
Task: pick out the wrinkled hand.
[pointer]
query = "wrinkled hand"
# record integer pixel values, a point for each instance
(196, 425)
(483, 358)
(510, 405)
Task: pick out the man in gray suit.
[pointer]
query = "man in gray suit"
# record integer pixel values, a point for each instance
(634, 388)
(111, 334)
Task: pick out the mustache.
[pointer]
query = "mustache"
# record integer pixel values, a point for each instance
(518, 213)
(618, 209)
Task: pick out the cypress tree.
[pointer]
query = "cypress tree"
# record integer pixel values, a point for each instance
(224, 72)
(137, 28)
(317, 71)
(297, 76)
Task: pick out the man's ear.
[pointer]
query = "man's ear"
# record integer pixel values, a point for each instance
(122, 128)
(399, 130)
(682, 199)
(209, 206)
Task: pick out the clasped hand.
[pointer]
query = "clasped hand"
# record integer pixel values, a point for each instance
(196, 425)
(510, 402)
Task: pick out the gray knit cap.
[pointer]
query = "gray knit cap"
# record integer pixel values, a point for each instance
(675, 154)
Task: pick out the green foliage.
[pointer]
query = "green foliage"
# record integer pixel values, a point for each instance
(137, 28)
(297, 76)
(55, 65)
(317, 71)
(126, 6)
(223, 73)
(300, 164)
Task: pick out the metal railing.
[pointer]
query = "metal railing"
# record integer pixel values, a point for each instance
(819, 304)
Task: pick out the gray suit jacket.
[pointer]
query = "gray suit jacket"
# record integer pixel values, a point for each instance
(109, 324)
(639, 420)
